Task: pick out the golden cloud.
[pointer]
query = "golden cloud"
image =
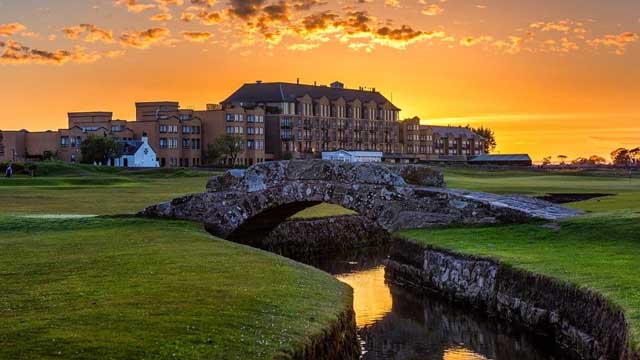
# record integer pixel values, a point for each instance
(144, 39)
(91, 33)
(10, 29)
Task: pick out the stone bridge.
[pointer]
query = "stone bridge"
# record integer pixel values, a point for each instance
(250, 203)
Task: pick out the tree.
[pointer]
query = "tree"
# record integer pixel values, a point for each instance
(597, 160)
(213, 154)
(635, 155)
(580, 161)
(489, 136)
(230, 146)
(546, 161)
(562, 159)
(621, 157)
(99, 149)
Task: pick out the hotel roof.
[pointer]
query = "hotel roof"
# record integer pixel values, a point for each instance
(444, 131)
(289, 92)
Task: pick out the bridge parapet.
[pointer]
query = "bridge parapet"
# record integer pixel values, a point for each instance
(252, 202)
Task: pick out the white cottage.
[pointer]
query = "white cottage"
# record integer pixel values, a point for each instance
(137, 154)
(353, 156)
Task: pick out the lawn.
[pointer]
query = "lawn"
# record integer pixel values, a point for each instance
(129, 288)
(87, 190)
(599, 250)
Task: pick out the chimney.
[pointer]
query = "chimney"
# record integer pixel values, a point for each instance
(145, 138)
(258, 81)
(298, 81)
(373, 89)
(314, 83)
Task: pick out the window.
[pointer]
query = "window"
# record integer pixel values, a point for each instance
(195, 129)
(251, 118)
(184, 117)
(117, 128)
(195, 144)
(250, 144)
(173, 143)
(186, 129)
(169, 129)
(250, 130)
(64, 141)
(185, 144)
(164, 144)
(234, 117)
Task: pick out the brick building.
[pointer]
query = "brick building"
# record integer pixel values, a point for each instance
(275, 121)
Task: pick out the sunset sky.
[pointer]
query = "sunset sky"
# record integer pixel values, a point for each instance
(550, 77)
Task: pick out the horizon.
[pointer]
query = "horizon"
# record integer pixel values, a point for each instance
(525, 70)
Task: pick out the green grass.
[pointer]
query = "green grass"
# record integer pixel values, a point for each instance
(89, 190)
(139, 288)
(322, 211)
(535, 182)
(599, 250)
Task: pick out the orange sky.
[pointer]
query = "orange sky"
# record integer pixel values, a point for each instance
(550, 77)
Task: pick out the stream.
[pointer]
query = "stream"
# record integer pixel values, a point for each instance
(394, 323)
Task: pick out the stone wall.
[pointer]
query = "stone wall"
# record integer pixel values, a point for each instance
(298, 239)
(581, 321)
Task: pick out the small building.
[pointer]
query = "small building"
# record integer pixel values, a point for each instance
(137, 154)
(353, 156)
(502, 160)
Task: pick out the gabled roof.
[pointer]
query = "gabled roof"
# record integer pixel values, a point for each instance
(130, 147)
(288, 92)
(455, 131)
(502, 157)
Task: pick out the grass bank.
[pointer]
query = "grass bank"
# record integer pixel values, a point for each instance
(599, 250)
(82, 189)
(141, 288)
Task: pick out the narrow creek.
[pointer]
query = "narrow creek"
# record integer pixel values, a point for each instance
(394, 323)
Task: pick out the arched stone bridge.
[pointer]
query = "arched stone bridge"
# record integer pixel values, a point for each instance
(252, 202)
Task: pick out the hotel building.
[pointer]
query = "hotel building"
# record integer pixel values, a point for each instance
(275, 120)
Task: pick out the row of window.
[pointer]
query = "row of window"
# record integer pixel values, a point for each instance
(255, 131)
(175, 162)
(70, 141)
(240, 118)
(255, 144)
(173, 129)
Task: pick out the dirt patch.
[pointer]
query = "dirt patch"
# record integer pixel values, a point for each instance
(569, 198)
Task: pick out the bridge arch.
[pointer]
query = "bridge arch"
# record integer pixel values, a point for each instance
(253, 201)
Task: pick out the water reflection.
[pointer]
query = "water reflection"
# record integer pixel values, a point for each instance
(371, 295)
(396, 324)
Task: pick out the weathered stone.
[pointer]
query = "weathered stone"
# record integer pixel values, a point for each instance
(420, 175)
(258, 199)
(579, 320)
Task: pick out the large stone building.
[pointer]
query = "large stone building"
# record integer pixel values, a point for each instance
(439, 143)
(275, 120)
(304, 120)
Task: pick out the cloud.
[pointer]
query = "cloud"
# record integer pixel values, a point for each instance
(302, 47)
(432, 10)
(144, 39)
(618, 42)
(392, 3)
(197, 36)
(161, 17)
(135, 6)
(10, 29)
(91, 33)
(17, 53)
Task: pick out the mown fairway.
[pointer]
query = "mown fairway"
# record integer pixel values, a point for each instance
(599, 250)
(132, 288)
(66, 189)
(129, 288)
